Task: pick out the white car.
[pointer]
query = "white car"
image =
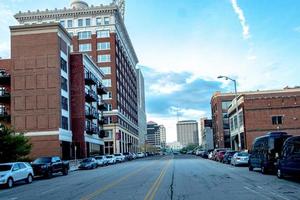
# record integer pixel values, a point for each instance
(111, 159)
(140, 155)
(101, 160)
(240, 158)
(14, 172)
(119, 157)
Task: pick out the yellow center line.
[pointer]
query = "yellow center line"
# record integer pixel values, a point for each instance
(152, 192)
(107, 187)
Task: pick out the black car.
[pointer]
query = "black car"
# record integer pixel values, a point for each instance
(128, 156)
(289, 160)
(88, 163)
(227, 156)
(46, 166)
(264, 151)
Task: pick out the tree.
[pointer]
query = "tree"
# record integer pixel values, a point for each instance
(13, 146)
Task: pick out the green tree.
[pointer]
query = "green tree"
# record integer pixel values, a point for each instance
(13, 146)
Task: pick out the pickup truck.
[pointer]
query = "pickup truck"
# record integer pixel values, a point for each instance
(46, 166)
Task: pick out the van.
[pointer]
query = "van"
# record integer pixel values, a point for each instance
(289, 160)
(264, 151)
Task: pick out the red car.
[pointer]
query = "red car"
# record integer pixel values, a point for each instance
(220, 156)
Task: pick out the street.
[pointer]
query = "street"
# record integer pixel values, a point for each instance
(175, 177)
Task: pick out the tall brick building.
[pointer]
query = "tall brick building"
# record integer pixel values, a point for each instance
(220, 103)
(260, 112)
(39, 96)
(100, 32)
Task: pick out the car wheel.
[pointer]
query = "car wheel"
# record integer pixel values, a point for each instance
(49, 174)
(65, 171)
(29, 179)
(250, 168)
(10, 183)
(279, 174)
(263, 170)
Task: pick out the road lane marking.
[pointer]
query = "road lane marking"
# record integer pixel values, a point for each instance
(151, 193)
(251, 190)
(114, 183)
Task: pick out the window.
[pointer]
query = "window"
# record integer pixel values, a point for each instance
(85, 47)
(106, 70)
(80, 22)
(63, 65)
(109, 107)
(70, 23)
(64, 84)
(64, 123)
(103, 34)
(88, 22)
(277, 120)
(103, 46)
(106, 82)
(71, 48)
(103, 58)
(84, 35)
(108, 134)
(62, 22)
(98, 21)
(106, 20)
(64, 103)
(109, 120)
(107, 96)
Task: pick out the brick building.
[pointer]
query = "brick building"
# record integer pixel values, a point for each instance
(264, 111)
(220, 103)
(100, 32)
(37, 87)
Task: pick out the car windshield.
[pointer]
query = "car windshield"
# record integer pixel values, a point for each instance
(108, 156)
(243, 154)
(87, 160)
(5, 168)
(42, 160)
(117, 154)
(99, 157)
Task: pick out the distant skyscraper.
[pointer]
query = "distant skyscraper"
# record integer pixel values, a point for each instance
(153, 134)
(187, 132)
(142, 119)
(163, 137)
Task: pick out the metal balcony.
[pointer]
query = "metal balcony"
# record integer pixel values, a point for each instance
(101, 90)
(91, 113)
(102, 106)
(89, 78)
(4, 78)
(101, 121)
(4, 96)
(90, 96)
(92, 129)
(4, 116)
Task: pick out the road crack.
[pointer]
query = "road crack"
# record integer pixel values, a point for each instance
(172, 183)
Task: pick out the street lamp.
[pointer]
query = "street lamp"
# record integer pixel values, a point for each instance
(236, 108)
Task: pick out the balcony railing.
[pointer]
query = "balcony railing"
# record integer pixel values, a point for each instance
(90, 95)
(101, 89)
(4, 78)
(92, 129)
(101, 121)
(102, 106)
(91, 113)
(4, 96)
(4, 115)
(89, 78)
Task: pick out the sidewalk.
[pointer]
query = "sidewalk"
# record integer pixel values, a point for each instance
(74, 165)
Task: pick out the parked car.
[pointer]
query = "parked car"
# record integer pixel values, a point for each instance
(227, 156)
(11, 173)
(88, 163)
(198, 152)
(119, 157)
(240, 158)
(128, 156)
(46, 166)
(289, 161)
(140, 155)
(101, 160)
(210, 155)
(220, 156)
(134, 156)
(265, 149)
(214, 154)
(111, 159)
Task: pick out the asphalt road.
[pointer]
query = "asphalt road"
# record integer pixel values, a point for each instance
(179, 177)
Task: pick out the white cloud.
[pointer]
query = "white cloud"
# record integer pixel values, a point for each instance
(297, 29)
(240, 13)
(163, 87)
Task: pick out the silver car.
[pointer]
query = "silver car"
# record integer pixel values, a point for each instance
(240, 158)
(15, 172)
(101, 160)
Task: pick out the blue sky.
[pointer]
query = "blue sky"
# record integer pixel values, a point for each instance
(183, 45)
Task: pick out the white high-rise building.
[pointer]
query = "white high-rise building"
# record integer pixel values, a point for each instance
(141, 108)
(187, 132)
(163, 137)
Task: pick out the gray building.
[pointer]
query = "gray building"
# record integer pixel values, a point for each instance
(142, 119)
(153, 134)
(206, 134)
(163, 137)
(187, 132)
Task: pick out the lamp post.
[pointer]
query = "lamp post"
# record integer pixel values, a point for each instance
(236, 109)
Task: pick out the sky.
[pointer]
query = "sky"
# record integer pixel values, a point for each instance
(184, 45)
